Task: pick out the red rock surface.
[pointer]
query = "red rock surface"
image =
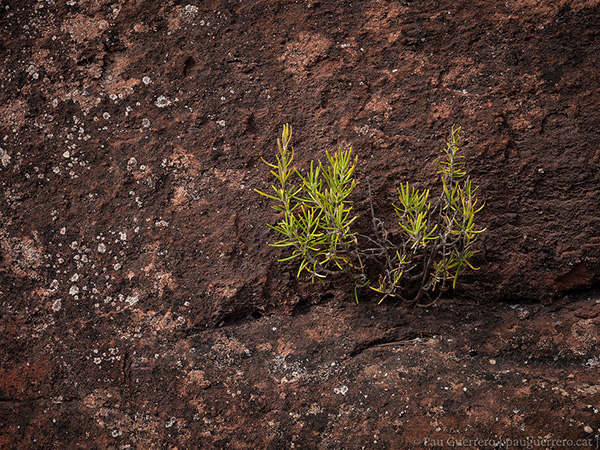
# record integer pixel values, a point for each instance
(130, 142)
(336, 376)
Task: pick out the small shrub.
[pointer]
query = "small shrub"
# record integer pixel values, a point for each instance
(436, 236)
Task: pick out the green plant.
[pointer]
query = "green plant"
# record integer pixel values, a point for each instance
(435, 238)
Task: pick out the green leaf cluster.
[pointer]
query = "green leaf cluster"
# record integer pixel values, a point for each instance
(436, 235)
(316, 210)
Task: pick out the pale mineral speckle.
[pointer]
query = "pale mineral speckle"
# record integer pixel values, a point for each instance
(315, 409)
(162, 101)
(191, 9)
(4, 157)
(66, 154)
(146, 80)
(171, 422)
(75, 277)
(123, 235)
(106, 116)
(57, 305)
(74, 290)
(592, 362)
(117, 266)
(101, 248)
(132, 299)
(221, 123)
(341, 390)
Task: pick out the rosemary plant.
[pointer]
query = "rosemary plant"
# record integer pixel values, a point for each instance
(436, 238)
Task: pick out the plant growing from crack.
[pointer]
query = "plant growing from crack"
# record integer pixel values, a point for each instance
(436, 236)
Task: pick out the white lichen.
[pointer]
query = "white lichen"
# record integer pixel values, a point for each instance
(341, 390)
(162, 101)
(4, 157)
(132, 299)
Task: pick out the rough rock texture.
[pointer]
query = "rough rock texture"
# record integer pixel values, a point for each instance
(333, 376)
(131, 134)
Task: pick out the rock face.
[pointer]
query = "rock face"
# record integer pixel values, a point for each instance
(131, 137)
(334, 376)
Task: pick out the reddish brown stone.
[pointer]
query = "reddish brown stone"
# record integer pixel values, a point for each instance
(131, 137)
